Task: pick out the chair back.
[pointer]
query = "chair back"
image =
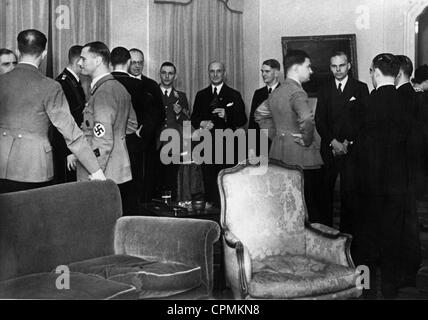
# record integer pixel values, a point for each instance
(43, 228)
(265, 211)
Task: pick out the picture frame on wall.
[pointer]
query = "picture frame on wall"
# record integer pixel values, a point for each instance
(319, 48)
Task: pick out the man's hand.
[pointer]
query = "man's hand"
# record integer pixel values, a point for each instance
(339, 149)
(220, 112)
(298, 138)
(177, 108)
(99, 175)
(71, 162)
(207, 125)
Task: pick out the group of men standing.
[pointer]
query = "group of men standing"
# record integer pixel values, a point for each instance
(375, 142)
(108, 129)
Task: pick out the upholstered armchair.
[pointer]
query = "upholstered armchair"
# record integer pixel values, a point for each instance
(271, 251)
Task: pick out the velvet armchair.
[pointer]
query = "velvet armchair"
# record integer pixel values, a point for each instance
(271, 250)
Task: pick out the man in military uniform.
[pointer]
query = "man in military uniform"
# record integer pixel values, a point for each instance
(105, 118)
(72, 87)
(29, 104)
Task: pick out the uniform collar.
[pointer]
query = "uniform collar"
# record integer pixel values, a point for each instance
(29, 63)
(399, 86)
(384, 85)
(73, 73)
(169, 90)
(94, 82)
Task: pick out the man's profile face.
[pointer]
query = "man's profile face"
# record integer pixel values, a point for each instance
(216, 73)
(340, 67)
(7, 63)
(304, 71)
(269, 74)
(137, 63)
(167, 76)
(88, 62)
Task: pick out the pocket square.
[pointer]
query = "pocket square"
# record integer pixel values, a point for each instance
(229, 104)
(353, 99)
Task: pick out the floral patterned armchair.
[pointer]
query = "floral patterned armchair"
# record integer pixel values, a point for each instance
(271, 251)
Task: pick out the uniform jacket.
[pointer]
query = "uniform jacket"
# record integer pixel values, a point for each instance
(105, 120)
(291, 114)
(337, 115)
(229, 99)
(172, 119)
(29, 103)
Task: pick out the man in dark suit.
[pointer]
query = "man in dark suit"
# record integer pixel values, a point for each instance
(383, 178)
(340, 104)
(72, 87)
(217, 107)
(151, 157)
(411, 247)
(29, 104)
(142, 139)
(270, 74)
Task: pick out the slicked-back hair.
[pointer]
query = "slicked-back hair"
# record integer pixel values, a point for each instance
(338, 53)
(274, 64)
(74, 53)
(406, 65)
(387, 63)
(5, 51)
(168, 64)
(100, 49)
(31, 42)
(294, 57)
(119, 56)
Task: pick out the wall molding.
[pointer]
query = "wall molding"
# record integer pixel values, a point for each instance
(411, 13)
(236, 6)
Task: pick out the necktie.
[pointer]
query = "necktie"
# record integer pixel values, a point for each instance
(270, 90)
(166, 94)
(339, 88)
(215, 92)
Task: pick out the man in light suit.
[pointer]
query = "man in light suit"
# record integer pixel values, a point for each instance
(294, 126)
(341, 103)
(105, 117)
(72, 87)
(29, 103)
(270, 73)
(8, 61)
(217, 107)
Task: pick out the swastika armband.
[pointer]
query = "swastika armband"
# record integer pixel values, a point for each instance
(99, 130)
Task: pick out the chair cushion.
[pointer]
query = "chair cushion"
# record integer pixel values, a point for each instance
(82, 287)
(294, 276)
(152, 279)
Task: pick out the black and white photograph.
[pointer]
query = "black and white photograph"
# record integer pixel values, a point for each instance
(213, 155)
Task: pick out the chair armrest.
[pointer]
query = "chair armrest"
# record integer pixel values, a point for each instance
(328, 244)
(188, 241)
(237, 264)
